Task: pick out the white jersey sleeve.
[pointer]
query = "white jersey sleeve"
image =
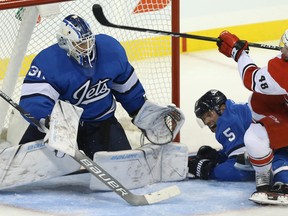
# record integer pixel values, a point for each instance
(265, 80)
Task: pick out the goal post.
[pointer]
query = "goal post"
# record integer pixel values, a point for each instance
(17, 55)
(155, 58)
(9, 4)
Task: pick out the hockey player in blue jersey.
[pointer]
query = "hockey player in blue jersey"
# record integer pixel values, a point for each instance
(231, 122)
(228, 121)
(91, 72)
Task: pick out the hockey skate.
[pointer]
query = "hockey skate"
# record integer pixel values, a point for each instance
(267, 195)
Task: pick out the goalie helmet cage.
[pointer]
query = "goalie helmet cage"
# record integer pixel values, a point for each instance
(155, 58)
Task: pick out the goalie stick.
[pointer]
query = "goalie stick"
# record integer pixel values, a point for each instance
(20, 109)
(99, 15)
(101, 174)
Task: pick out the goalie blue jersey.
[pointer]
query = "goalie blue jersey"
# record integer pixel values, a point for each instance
(231, 127)
(53, 75)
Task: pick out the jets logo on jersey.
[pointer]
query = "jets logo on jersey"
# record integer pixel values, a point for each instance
(88, 94)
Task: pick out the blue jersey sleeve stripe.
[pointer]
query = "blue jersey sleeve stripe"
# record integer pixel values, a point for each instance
(125, 87)
(33, 96)
(44, 89)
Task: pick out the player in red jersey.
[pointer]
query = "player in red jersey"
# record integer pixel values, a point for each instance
(269, 105)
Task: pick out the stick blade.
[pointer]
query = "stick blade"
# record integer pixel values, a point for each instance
(99, 15)
(163, 194)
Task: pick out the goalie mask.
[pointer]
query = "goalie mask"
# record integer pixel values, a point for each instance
(211, 100)
(75, 36)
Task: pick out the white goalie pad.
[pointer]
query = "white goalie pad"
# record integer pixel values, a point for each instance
(159, 124)
(143, 166)
(31, 162)
(64, 122)
(174, 162)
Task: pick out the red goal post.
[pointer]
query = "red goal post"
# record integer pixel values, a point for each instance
(155, 58)
(9, 4)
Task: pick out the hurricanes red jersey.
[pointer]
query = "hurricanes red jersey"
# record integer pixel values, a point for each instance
(271, 79)
(268, 102)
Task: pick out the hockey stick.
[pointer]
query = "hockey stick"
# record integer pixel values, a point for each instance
(100, 173)
(117, 187)
(20, 109)
(99, 15)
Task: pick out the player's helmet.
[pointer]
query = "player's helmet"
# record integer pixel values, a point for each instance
(211, 100)
(75, 36)
(284, 39)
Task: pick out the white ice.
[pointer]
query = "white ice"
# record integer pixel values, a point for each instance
(70, 195)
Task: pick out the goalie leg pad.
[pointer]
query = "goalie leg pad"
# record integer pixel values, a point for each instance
(174, 162)
(143, 166)
(167, 162)
(31, 162)
(129, 167)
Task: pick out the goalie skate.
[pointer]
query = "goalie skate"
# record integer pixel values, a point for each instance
(269, 198)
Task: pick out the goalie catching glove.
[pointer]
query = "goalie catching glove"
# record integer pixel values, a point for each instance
(159, 124)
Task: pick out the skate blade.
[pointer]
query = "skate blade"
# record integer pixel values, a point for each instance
(263, 198)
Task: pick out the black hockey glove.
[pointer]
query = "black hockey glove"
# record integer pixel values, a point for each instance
(200, 168)
(207, 152)
(201, 164)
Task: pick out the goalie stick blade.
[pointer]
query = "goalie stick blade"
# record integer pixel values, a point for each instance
(163, 194)
(118, 188)
(269, 198)
(99, 15)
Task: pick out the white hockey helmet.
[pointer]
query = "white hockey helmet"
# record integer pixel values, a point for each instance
(75, 36)
(284, 39)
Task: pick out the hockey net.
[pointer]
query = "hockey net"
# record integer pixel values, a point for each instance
(149, 54)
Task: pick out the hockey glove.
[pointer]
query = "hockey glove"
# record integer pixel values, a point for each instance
(231, 46)
(200, 168)
(207, 152)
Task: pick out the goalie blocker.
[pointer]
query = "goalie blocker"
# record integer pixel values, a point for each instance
(146, 165)
(159, 124)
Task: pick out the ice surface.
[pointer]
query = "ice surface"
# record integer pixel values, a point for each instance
(70, 195)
